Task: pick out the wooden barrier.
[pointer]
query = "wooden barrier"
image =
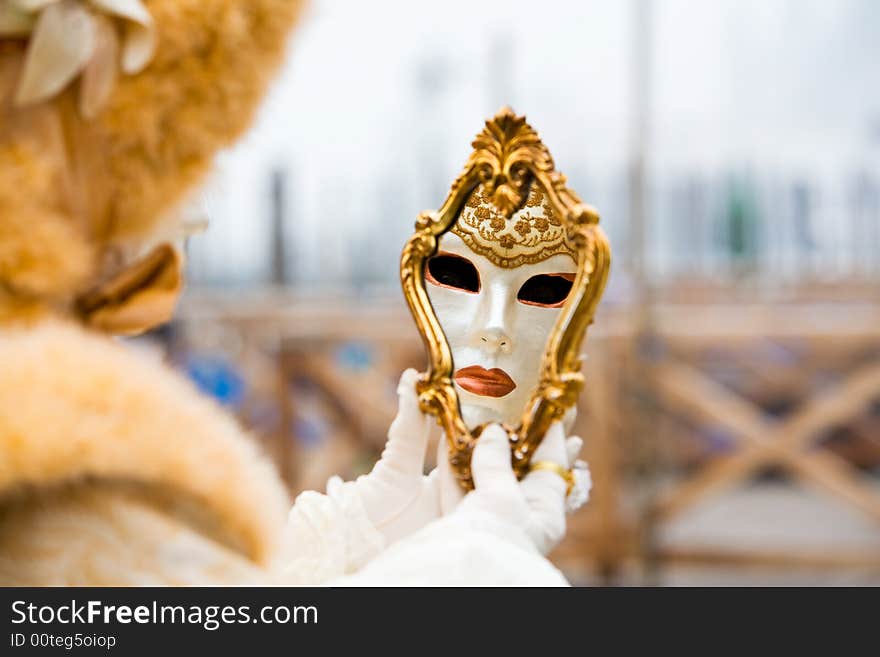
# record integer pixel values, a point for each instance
(710, 367)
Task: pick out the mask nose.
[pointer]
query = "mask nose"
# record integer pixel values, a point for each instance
(495, 340)
(491, 334)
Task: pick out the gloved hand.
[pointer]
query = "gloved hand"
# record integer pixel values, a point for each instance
(399, 499)
(397, 496)
(537, 504)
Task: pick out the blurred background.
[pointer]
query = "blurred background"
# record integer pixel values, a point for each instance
(732, 407)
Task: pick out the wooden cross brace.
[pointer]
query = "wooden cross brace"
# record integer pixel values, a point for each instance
(768, 441)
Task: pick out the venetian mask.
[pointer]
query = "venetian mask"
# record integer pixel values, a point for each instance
(497, 286)
(503, 281)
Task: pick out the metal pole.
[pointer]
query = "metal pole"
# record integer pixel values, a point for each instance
(646, 343)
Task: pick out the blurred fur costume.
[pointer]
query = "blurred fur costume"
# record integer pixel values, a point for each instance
(113, 470)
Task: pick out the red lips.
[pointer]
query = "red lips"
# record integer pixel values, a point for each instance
(488, 383)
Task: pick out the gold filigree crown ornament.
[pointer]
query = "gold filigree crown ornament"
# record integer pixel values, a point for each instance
(531, 234)
(511, 206)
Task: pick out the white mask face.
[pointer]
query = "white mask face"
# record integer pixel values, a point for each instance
(497, 321)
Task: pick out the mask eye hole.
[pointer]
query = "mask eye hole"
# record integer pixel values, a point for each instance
(453, 272)
(546, 290)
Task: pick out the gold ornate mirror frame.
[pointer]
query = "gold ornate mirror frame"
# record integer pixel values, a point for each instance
(508, 157)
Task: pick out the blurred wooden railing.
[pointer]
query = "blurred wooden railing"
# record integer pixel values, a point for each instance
(772, 378)
(827, 380)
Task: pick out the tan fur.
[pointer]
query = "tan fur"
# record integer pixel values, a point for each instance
(75, 407)
(109, 181)
(113, 470)
(45, 254)
(103, 534)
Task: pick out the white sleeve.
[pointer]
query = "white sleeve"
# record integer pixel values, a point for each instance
(330, 540)
(462, 549)
(327, 536)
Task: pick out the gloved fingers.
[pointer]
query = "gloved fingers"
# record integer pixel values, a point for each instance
(431, 490)
(544, 491)
(546, 531)
(569, 418)
(396, 478)
(573, 446)
(553, 447)
(408, 435)
(451, 492)
(406, 385)
(491, 466)
(580, 492)
(544, 494)
(422, 509)
(496, 489)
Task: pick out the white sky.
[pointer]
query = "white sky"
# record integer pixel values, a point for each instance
(376, 107)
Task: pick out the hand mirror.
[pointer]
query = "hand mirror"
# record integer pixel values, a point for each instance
(503, 281)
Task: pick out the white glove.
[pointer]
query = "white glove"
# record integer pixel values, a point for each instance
(398, 498)
(537, 504)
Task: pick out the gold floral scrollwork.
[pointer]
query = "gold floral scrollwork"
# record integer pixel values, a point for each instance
(511, 167)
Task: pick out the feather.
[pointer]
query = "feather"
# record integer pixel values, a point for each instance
(132, 10)
(99, 75)
(62, 44)
(138, 46)
(31, 6)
